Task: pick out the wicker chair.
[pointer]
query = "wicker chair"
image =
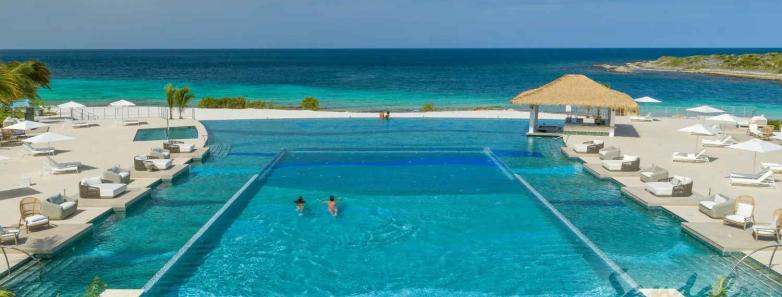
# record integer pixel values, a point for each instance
(743, 212)
(769, 230)
(116, 175)
(717, 206)
(610, 153)
(654, 174)
(172, 145)
(159, 153)
(589, 147)
(30, 214)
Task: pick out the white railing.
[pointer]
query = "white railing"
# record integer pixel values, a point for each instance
(118, 113)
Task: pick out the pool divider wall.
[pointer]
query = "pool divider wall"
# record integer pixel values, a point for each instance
(212, 230)
(629, 284)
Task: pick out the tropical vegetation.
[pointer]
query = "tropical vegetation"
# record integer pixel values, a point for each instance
(427, 107)
(179, 98)
(767, 62)
(22, 79)
(310, 103)
(233, 103)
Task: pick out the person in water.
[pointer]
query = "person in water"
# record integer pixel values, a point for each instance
(300, 205)
(332, 206)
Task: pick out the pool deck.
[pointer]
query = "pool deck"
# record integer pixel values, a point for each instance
(661, 293)
(104, 144)
(654, 142)
(121, 293)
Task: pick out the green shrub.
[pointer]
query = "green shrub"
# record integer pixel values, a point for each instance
(310, 103)
(225, 102)
(259, 104)
(775, 123)
(427, 107)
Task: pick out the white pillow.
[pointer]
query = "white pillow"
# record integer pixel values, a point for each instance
(719, 199)
(744, 210)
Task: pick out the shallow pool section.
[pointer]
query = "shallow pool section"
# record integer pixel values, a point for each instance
(184, 132)
(424, 223)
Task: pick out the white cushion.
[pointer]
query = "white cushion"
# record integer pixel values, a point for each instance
(629, 158)
(161, 163)
(736, 218)
(719, 199)
(92, 181)
(764, 230)
(111, 190)
(36, 220)
(186, 148)
(708, 204)
(580, 148)
(659, 188)
(744, 210)
(67, 205)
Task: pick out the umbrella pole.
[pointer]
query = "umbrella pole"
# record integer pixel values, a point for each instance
(754, 162)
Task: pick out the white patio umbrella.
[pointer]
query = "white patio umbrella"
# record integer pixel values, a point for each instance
(647, 99)
(697, 130)
(121, 103)
(756, 146)
(71, 105)
(705, 109)
(47, 137)
(724, 118)
(26, 125)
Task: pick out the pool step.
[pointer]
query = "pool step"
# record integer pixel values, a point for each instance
(219, 151)
(661, 293)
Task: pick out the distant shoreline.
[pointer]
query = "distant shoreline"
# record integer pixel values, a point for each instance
(650, 66)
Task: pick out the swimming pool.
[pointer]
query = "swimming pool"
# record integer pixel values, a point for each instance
(390, 219)
(183, 132)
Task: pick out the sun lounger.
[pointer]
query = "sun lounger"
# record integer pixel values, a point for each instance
(38, 150)
(58, 207)
(764, 180)
(627, 163)
(677, 186)
(717, 206)
(646, 118)
(81, 125)
(55, 167)
(588, 147)
(654, 174)
(144, 163)
(743, 212)
(775, 167)
(755, 130)
(609, 153)
(770, 229)
(95, 187)
(131, 122)
(725, 141)
(700, 157)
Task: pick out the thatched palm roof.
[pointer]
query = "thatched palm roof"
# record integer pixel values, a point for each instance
(577, 90)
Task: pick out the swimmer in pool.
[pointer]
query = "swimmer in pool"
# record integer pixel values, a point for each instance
(300, 205)
(332, 206)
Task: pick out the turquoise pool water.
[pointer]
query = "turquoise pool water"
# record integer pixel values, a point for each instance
(185, 132)
(420, 224)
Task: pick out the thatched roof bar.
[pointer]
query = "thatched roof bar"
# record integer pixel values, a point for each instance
(577, 90)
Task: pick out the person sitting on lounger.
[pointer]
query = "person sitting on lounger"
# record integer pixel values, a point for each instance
(300, 205)
(332, 205)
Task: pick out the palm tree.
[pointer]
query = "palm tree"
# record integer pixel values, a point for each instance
(22, 80)
(183, 98)
(170, 99)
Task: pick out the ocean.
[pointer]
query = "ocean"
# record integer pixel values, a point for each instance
(380, 79)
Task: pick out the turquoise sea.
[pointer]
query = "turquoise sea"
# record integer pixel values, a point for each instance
(375, 79)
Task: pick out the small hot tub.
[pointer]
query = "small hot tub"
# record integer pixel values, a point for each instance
(183, 132)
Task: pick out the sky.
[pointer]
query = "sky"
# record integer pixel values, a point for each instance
(109, 24)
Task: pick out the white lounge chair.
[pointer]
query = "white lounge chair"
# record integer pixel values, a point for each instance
(700, 157)
(743, 212)
(81, 125)
(144, 163)
(9, 233)
(678, 186)
(131, 122)
(754, 130)
(770, 229)
(646, 118)
(717, 206)
(775, 167)
(766, 179)
(725, 141)
(55, 167)
(38, 150)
